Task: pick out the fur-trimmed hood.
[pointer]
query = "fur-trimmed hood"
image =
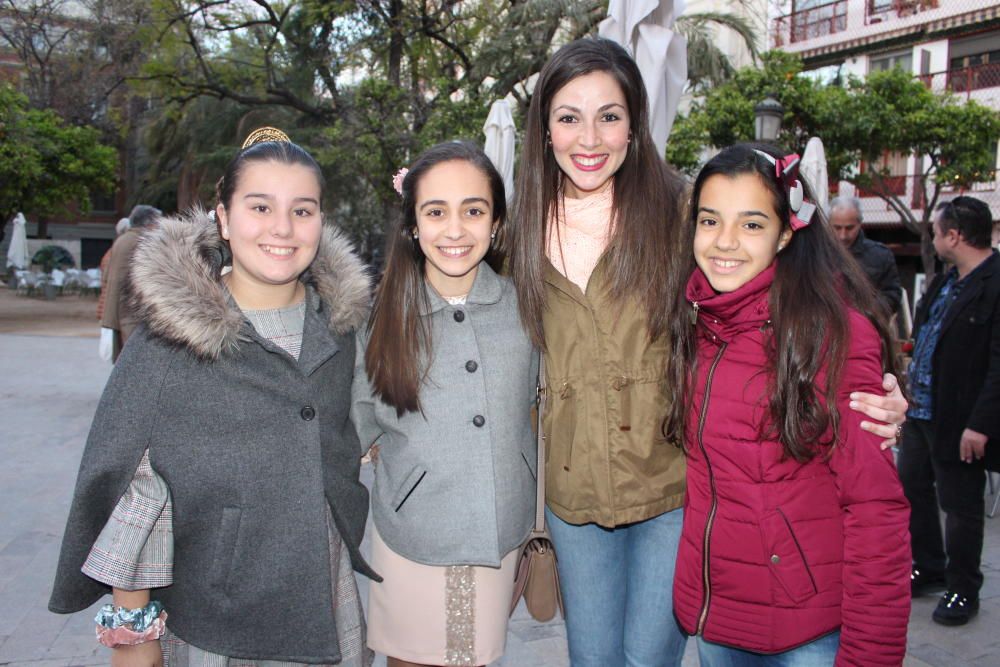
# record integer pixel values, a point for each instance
(177, 290)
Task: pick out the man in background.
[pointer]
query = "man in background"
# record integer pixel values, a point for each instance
(118, 314)
(876, 259)
(952, 432)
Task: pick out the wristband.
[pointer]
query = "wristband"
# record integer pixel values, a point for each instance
(128, 627)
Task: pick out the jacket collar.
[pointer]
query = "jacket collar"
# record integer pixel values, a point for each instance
(175, 280)
(728, 313)
(487, 289)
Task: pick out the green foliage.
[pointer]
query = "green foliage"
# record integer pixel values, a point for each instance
(52, 256)
(46, 166)
(860, 122)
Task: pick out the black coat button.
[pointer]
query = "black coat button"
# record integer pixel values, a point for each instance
(478, 421)
(308, 413)
(459, 316)
(471, 366)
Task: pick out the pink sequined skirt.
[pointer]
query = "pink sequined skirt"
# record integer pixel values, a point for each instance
(455, 615)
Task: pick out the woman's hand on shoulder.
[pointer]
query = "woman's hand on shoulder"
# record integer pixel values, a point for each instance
(888, 411)
(146, 654)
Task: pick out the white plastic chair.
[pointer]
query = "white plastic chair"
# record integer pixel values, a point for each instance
(27, 281)
(92, 280)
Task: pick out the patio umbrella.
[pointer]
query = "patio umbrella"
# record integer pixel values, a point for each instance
(644, 28)
(17, 253)
(813, 168)
(499, 130)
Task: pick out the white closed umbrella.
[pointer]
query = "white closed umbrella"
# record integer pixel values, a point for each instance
(17, 253)
(813, 169)
(499, 130)
(645, 29)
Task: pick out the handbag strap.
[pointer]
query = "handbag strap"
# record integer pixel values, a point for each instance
(540, 437)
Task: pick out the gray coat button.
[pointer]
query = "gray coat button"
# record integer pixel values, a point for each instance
(459, 316)
(471, 366)
(478, 421)
(308, 413)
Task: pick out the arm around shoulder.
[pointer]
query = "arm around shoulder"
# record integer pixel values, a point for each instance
(876, 567)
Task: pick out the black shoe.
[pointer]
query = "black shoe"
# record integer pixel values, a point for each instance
(953, 609)
(922, 583)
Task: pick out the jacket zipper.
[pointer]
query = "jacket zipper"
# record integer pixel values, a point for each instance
(706, 582)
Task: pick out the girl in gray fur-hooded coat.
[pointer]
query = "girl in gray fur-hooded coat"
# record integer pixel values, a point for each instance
(220, 477)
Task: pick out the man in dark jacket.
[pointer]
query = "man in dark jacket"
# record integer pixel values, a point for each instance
(952, 434)
(876, 259)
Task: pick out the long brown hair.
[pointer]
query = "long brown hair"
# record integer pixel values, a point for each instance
(815, 282)
(399, 342)
(648, 196)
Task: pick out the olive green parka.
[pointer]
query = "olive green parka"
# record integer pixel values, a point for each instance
(607, 461)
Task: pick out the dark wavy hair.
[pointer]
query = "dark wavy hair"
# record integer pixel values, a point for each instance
(648, 196)
(399, 337)
(815, 282)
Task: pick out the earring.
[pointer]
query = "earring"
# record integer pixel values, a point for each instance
(493, 235)
(415, 234)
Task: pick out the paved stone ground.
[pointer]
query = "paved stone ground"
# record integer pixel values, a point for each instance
(49, 387)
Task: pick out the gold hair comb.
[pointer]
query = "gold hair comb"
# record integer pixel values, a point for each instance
(262, 134)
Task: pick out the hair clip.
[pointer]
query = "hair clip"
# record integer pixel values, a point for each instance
(397, 180)
(786, 170)
(262, 134)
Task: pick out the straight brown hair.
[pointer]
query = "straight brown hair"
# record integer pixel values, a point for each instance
(815, 282)
(647, 206)
(399, 333)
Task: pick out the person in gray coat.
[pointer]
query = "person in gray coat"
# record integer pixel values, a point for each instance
(218, 497)
(445, 379)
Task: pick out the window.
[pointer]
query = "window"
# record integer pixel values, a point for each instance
(901, 59)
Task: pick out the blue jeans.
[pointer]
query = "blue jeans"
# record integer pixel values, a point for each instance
(617, 587)
(819, 653)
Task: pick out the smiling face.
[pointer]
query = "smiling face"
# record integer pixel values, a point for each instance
(738, 232)
(454, 210)
(589, 129)
(273, 225)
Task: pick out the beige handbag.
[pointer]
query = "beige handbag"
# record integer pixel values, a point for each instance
(537, 579)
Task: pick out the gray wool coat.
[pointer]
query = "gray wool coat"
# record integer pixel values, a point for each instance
(251, 442)
(456, 484)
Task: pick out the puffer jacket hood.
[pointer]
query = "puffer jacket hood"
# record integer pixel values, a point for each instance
(178, 294)
(775, 553)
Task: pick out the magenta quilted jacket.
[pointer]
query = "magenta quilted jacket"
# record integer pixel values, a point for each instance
(774, 553)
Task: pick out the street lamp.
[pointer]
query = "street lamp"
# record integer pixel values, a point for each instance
(767, 119)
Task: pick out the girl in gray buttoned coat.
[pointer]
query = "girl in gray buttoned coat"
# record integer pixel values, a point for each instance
(444, 384)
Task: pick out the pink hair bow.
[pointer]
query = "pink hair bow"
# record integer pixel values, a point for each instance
(397, 180)
(786, 169)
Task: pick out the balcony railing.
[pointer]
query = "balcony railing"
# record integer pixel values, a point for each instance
(964, 79)
(877, 11)
(811, 23)
(986, 185)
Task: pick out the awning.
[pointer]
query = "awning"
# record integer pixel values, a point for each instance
(930, 28)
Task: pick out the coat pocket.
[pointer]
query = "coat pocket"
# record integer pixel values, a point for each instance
(785, 558)
(225, 548)
(407, 488)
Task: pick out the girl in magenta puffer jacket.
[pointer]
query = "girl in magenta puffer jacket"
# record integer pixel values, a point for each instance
(795, 547)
